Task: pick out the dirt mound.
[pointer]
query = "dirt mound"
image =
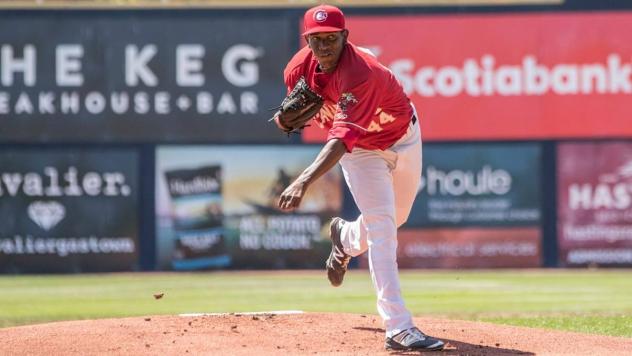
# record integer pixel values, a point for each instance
(269, 334)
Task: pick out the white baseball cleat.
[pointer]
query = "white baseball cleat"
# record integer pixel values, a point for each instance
(415, 340)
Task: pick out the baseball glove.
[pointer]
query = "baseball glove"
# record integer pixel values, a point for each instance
(300, 105)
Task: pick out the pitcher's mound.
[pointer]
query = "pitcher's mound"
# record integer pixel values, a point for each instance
(289, 334)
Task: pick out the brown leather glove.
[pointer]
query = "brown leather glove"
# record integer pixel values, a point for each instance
(301, 104)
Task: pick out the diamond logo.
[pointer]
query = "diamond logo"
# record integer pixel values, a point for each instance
(46, 214)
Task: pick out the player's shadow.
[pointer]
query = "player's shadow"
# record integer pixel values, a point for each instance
(455, 347)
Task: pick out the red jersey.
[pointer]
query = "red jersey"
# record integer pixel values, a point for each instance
(365, 106)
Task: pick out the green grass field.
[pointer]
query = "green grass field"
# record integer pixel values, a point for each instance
(598, 301)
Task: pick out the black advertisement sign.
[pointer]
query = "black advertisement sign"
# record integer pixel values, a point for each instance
(478, 185)
(129, 78)
(68, 210)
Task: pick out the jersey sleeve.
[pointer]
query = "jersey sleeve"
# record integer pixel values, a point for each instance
(293, 70)
(355, 113)
(290, 78)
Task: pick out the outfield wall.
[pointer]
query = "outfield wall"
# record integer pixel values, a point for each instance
(138, 140)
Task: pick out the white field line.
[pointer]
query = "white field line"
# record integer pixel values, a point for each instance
(275, 312)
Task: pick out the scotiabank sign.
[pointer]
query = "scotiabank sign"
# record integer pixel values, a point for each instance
(509, 76)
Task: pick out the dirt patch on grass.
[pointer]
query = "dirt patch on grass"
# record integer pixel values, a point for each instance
(267, 334)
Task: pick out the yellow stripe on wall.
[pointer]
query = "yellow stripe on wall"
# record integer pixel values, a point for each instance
(150, 4)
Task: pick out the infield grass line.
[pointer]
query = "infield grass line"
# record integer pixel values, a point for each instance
(591, 301)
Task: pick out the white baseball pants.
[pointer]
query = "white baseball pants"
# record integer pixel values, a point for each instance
(384, 185)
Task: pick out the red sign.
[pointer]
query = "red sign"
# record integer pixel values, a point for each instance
(467, 248)
(595, 203)
(531, 76)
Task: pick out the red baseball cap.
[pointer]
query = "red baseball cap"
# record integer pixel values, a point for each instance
(323, 18)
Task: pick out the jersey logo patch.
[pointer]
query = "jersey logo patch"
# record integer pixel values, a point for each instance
(346, 100)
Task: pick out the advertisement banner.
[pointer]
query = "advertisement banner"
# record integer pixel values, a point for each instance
(595, 203)
(230, 194)
(478, 185)
(196, 198)
(68, 210)
(508, 76)
(128, 78)
(468, 248)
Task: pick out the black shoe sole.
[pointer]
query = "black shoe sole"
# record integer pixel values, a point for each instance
(332, 275)
(439, 348)
(403, 348)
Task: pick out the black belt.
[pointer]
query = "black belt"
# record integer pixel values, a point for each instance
(413, 120)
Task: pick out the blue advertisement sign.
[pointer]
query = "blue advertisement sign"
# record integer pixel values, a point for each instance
(478, 185)
(216, 207)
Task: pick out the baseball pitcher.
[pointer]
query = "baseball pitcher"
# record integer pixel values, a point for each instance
(373, 132)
